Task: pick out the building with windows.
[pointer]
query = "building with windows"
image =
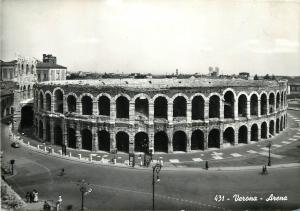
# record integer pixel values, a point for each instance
(49, 70)
(165, 115)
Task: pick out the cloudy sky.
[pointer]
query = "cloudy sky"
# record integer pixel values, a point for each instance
(157, 36)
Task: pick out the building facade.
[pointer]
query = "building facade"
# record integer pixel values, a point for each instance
(165, 115)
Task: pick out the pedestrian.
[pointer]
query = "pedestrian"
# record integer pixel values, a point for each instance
(206, 165)
(35, 196)
(58, 203)
(62, 173)
(27, 197)
(31, 196)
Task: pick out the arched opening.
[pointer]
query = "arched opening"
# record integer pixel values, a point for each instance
(254, 105)
(122, 104)
(71, 138)
(24, 91)
(214, 106)
(26, 117)
(197, 140)
(229, 105)
(271, 103)
(254, 132)
(277, 100)
(71, 100)
(87, 139)
(141, 142)
(198, 108)
(242, 105)
(104, 106)
(263, 104)
(271, 127)
(58, 100)
(48, 102)
(214, 138)
(141, 108)
(281, 123)
(41, 129)
(41, 97)
(161, 142)
(228, 136)
(179, 141)
(161, 108)
(264, 130)
(277, 125)
(28, 91)
(58, 135)
(179, 107)
(122, 140)
(243, 134)
(87, 105)
(48, 136)
(104, 140)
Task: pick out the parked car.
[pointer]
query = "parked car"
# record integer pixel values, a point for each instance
(15, 145)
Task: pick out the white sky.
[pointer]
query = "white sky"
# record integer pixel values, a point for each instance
(157, 36)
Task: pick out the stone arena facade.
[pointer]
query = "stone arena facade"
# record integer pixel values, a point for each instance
(165, 115)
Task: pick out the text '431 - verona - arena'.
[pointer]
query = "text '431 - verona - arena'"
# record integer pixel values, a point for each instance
(165, 115)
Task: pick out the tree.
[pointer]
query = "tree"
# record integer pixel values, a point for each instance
(267, 77)
(255, 77)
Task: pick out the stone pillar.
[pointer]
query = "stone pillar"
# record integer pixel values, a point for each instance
(131, 112)
(44, 130)
(95, 146)
(65, 132)
(65, 104)
(205, 138)
(268, 112)
(52, 103)
(258, 108)
(95, 107)
(188, 111)
(151, 137)
(236, 136)
(170, 112)
(131, 141)
(206, 111)
(248, 134)
(52, 131)
(222, 109)
(221, 137)
(170, 137)
(236, 110)
(112, 111)
(188, 140)
(112, 140)
(259, 133)
(44, 104)
(151, 111)
(78, 136)
(78, 106)
(248, 109)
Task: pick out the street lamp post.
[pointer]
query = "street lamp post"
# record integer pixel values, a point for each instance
(269, 145)
(12, 162)
(155, 178)
(84, 189)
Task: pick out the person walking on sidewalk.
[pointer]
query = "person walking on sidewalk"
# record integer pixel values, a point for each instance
(58, 203)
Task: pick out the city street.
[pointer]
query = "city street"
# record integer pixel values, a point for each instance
(124, 188)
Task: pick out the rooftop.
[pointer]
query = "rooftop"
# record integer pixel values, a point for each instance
(166, 83)
(49, 65)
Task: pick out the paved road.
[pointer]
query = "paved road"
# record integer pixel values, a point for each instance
(119, 188)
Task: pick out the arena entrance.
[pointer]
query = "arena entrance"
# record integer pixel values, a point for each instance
(161, 108)
(104, 106)
(179, 141)
(229, 105)
(197, 140)
(141, 142)
(122, 140)
(58, 135)
(48, 102)
(214, 139)
(26, 117)
(214, 107)
(242, 106)
(179, 107)
(228, 136)
(243, 135)
(271, 127)
(71, 138)
(71, 100)
(122, 107)
(41, 129)
(271, 103)
(263, 104)
(104, 140)
(48, 136)
(87, 105)
(264, 130)
(198, 108)
(254, 132)
(87, 139)
(142, 107)
(161, 142)
(58, 100)
(254, 105)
